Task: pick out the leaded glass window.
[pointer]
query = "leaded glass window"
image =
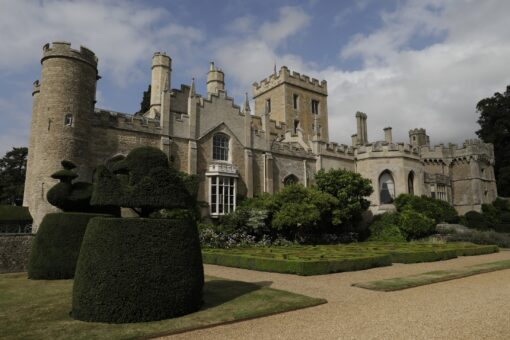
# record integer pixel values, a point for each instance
(220, 147)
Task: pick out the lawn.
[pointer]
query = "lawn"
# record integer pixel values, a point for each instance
(40, 310)
(324, 259)
(399, 283)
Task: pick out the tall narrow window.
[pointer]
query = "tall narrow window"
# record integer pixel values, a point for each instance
(68, 120)
(315, 106)
(296, 101)
(386, 188)
(296, 126)
(222, 195)
(410, 183)
(268, 105)
(220, 147)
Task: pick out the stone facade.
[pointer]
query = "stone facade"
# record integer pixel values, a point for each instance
(236, 152)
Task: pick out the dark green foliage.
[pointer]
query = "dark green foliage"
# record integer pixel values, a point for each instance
(474, 219)
(350, 189)
(134, 270)
(414, 225)
(438, 210)
(501, 204)
(56, 245)
(143, 181)
(13, 167)
(145, 105)
(494, 123)
(385, 228)
(491, 214)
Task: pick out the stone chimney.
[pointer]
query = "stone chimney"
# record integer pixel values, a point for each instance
(387, 135)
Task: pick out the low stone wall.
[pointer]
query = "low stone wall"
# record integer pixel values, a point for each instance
(15, 252)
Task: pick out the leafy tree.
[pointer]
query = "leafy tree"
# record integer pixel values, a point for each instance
(145, 105)
(438, 210)
(13, 168)
(495, 128)
(350, 189)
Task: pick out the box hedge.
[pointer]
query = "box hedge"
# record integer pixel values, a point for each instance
(56, 245)
(137, 269)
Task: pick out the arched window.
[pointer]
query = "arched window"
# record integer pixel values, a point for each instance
(386, 188)
(68, 120)
(290, 179)
(220, 147)
(410, 183)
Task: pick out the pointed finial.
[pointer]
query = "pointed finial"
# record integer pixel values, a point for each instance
(246, 103)
(211, 68)
(192, 88)
(275, 68)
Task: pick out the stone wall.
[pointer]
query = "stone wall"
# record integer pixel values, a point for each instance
(15, 252)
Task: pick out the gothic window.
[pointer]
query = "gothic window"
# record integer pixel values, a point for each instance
(386, 188)
(315, 106)
(268, 105)
(222, 199)
(68, 120)
(290, 180)
(220, 147)
(296, 125)
(410, 183)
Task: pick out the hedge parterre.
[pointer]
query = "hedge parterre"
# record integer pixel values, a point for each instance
(325, 259)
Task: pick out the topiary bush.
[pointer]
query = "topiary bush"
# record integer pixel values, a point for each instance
(134, 270)
(438, 210)
(57, 244)
(15, 219)
(140, 269)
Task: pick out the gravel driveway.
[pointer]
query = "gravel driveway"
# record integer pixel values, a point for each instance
(476, 307)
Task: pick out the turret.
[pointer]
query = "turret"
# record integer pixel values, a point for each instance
(160, 81)
(418, 138)
(215, 80)
(62, 109)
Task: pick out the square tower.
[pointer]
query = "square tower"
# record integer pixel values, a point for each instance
(296, 100)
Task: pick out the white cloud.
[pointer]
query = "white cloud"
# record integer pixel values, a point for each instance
(122, 34)
(435, 86)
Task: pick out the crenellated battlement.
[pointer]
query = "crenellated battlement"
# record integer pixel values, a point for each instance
(335, 149)
(385, 149)
(293, 149)
(470, 148)
(59, 49)
(294, 78)
(124, 121)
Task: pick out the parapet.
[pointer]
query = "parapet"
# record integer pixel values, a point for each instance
(294, 78)
(470, 148)
(124, 121)
(62, 49)
(161, 59)
(417, 131)
(382, 149)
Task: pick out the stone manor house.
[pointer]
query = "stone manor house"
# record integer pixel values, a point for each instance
(235, 151)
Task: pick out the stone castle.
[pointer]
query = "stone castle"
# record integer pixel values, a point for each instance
(235, 151)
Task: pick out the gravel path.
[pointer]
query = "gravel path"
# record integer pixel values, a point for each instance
(476, 307)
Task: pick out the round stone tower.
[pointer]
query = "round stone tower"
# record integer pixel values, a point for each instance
(215, 80)
(61, 120)
(160, 81)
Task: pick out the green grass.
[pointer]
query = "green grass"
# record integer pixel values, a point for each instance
(40, 310)
(399, 283)
(324, 259)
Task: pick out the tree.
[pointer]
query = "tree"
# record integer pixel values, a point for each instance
(145, 105)
(495, 128)
(351, 191)
(13, 168)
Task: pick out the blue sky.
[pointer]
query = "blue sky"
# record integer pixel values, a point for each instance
(406, 64)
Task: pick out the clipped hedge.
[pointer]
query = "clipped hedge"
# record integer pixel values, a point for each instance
(137, 269)
(57, 244)
(300, 267)
(14, 214)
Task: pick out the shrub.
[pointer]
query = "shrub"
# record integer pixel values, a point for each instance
(385, 228)
(414, 225)
(482, 237)
(501, 204)
(438, 210)
(56, 245)
(134, 270)
(15, 219)
(475, 220)
(491, 214)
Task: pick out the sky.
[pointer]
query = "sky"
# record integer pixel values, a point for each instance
(406, 64)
